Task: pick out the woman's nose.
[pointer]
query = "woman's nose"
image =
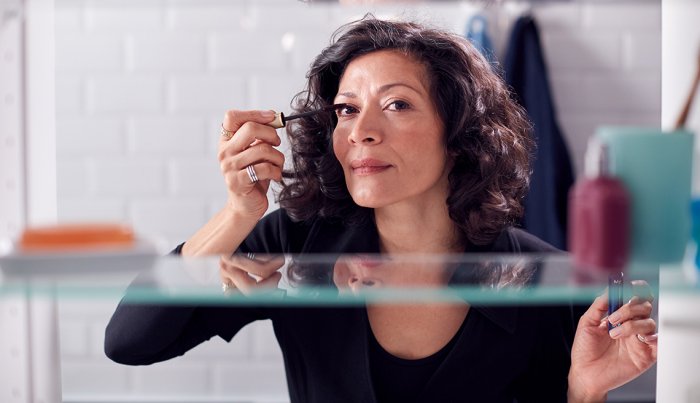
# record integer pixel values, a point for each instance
(356, 284)
(353, 283)
(366, 129)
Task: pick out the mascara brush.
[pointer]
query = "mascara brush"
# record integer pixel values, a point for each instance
(281, 120)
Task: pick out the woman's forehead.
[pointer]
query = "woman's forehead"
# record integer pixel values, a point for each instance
(382, 68)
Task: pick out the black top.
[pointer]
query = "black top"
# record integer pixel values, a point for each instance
(500, 354)
(400, 380)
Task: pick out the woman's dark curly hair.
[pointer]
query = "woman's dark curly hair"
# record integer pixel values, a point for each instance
(487, 134)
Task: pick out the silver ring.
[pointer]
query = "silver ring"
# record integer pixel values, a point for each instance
(226, 134)
(225, 287)
(641, 338)
(251, 174)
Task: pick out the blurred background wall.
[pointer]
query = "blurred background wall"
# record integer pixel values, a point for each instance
(141, 90)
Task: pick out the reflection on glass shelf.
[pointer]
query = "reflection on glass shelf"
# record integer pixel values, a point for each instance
(315, 279)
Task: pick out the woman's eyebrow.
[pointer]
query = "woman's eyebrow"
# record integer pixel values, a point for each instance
(383, 88)
(347, 94)
(387, 87)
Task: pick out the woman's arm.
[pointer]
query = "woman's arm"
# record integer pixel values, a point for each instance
(224, 232)
(251, 144)
(144, 334)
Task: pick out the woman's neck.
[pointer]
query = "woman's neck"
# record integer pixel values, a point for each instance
(412, 229)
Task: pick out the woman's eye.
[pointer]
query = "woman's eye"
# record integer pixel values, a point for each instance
(345, 110)
(399, 106)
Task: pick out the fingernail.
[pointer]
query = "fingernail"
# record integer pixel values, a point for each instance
(652, 337)
(267, 114)
(615, 332)
(614, 318)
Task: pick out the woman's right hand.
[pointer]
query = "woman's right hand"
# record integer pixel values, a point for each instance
(252, 143)
(252, 274)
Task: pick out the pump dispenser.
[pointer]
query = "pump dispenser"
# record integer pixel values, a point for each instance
(599, 215)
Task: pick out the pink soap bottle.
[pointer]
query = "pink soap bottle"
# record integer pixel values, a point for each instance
(599, 215)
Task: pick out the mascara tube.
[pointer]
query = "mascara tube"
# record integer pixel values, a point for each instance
(615, 291)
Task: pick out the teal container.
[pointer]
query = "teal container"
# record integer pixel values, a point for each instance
(656, 168)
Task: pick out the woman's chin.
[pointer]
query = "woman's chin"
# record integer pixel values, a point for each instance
(367, 204)
(369, 200)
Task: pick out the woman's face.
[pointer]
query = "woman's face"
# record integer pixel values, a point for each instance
(389, 137)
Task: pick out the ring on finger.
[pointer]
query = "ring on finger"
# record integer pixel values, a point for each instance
(251, 174)
(226, 286)
(641, 338)
(226, 134)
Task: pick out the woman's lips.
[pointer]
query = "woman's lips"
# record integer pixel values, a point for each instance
(368, 166)
(369, 170)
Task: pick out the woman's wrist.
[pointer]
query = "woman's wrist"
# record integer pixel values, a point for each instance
(221, 235)
(239, 212)
(579, 393)
(231, 213)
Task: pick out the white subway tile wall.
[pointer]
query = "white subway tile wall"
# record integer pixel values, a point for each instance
(141, 89)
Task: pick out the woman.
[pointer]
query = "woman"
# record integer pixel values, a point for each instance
(426, 153)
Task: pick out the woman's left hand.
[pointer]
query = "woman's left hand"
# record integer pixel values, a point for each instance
(602, 360)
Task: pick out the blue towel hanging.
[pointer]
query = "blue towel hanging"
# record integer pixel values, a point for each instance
(546, 205)
(477, 33)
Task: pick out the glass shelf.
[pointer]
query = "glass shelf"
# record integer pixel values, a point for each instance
(312, 279)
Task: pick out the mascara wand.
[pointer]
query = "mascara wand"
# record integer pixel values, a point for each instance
(281, 120)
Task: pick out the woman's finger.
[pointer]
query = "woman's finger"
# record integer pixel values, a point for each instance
(249, 135)
(263, 172)
(240, 182)
(596, 312)
(249, 138)
(261, 265)
(241, 280)
(650, 339)
(267, 171)
(271, 281)
(262, 152)
(267, 161)
(231, 274)
(635, 309)
(235, 119)
(227, 284)
(634, 327)
(237, 164)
